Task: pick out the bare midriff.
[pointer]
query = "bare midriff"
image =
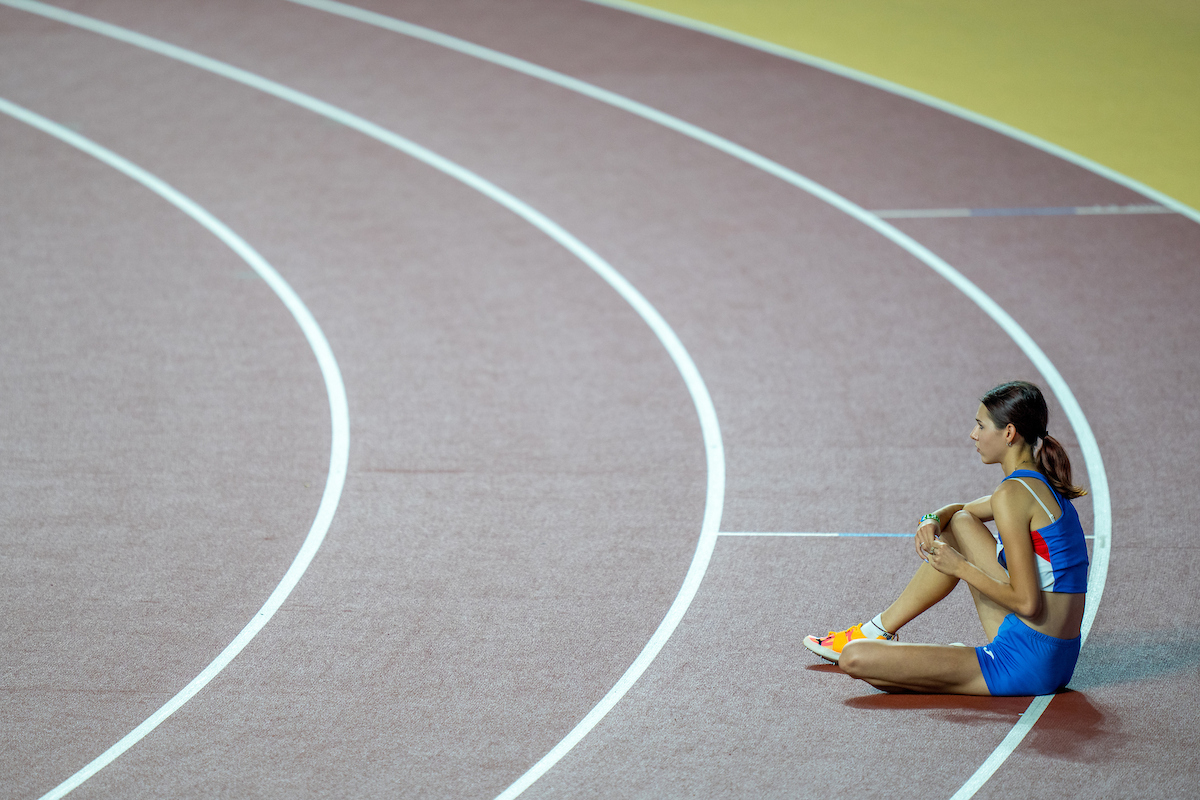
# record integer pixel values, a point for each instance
(1061, 615)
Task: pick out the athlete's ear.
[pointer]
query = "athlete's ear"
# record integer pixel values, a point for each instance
(1010, 433)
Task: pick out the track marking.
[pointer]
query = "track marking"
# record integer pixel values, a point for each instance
(1032, 211)
(1101, 499)
(338, 411)
(902, 91)
(819, 535)
(1097, 476)
(829, 535)
(710, 430)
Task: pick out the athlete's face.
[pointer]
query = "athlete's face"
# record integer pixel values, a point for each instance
(990, 441)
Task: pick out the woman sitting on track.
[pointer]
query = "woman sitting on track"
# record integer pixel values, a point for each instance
(1028, 590)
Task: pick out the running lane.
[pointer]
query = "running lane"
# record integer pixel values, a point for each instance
(421, 658)
(527, 482)
(163, 412)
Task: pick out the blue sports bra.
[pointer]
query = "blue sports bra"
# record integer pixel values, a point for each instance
(1061, 550)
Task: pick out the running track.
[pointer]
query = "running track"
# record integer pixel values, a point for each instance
(533, 469)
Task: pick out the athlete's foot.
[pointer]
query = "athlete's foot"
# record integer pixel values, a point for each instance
(829, 647)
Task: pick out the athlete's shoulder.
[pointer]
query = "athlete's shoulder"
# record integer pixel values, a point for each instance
(1010, 497)
(1007, 488)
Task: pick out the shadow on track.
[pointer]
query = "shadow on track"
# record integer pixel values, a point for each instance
(960, 709)
(1071, 729)
(1127, 656)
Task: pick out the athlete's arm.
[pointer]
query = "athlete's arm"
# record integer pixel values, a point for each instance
(981, 509)
(928, 530)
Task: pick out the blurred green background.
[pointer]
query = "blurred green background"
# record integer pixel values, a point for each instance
(1115, 81)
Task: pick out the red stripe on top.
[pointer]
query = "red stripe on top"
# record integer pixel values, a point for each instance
(1039, 545)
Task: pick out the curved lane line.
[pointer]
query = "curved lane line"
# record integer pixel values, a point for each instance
(1097, 477)
(710, 430)
(338, 411)
(903, 91)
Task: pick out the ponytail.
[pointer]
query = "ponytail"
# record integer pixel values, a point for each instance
(1052, 462)
(1021, 405)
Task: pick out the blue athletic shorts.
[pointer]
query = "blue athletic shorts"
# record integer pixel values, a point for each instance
(1021, 661)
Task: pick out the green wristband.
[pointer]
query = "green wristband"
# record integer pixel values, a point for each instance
(933, 517)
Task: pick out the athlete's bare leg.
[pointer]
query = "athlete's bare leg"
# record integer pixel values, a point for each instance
(928, 587)
(925, 589)
(973, 533)
(896, 667)
(926, 668)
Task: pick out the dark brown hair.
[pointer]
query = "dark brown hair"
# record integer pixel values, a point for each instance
(1021, 405)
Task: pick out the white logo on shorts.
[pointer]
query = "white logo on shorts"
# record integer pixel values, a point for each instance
(989, 652)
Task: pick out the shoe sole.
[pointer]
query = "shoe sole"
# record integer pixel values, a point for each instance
(826, 653)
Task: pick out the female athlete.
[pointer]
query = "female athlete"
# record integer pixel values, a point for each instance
(1028, 587)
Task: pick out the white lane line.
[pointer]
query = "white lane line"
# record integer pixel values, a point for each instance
(832, 535)
(1031, 211)
(1096, 474)
(1097, 477)
(338, 411)
(819, 535)
(903, 91)
(710, 430)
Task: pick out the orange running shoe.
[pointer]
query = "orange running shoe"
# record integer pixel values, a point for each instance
(829, 647)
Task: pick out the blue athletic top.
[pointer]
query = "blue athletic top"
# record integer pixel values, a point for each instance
(1062, 559)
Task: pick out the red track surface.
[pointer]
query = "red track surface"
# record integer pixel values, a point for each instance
(527, 477)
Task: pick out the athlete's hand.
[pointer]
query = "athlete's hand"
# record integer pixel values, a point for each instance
(926, 535)
(944, 558)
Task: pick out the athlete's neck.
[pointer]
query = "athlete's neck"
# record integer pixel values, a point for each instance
(1018, 458)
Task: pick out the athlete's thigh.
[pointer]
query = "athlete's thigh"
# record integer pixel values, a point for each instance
(915, 667)
(991, 613)
(973, 539)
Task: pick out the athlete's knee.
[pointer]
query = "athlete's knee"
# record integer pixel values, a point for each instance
(964, 526)
(856, 658)
(964, 519)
